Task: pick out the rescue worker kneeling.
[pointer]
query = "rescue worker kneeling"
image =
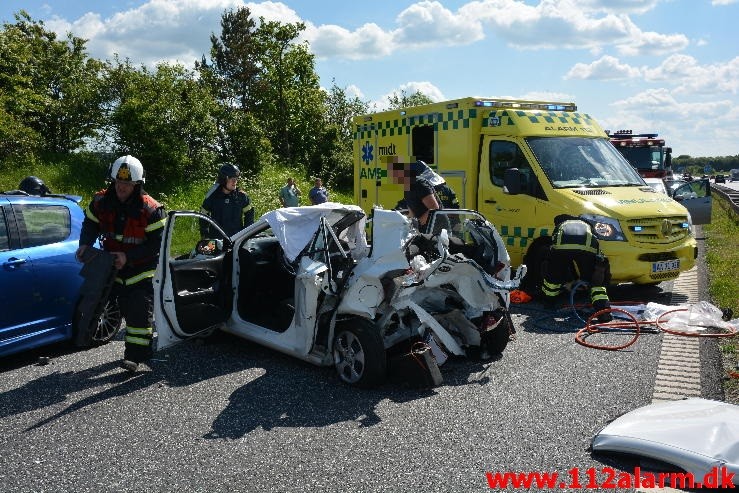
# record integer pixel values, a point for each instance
(575, 255)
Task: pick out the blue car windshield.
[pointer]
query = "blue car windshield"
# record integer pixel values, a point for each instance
(575, 162)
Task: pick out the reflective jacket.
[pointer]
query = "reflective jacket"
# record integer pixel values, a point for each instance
(574, 234)
(133, 227)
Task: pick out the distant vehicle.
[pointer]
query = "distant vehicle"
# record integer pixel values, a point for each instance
(695, 196)
(40, 276)
(657, 184)
(734, 175)
(719, 179)
(645, 152)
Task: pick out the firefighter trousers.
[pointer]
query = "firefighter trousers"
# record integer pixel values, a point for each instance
(136, 302)
(564, 265)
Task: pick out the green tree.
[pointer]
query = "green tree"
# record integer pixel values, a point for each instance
(51, 88)
(403, 100)
(235, 76)
(334, 160)
(165, 118)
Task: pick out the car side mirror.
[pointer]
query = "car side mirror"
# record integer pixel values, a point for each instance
(512, 181)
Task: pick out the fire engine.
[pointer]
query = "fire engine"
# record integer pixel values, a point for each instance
(645, 152)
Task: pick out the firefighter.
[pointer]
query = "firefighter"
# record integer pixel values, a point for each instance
(129, 223)
(226, 203)
(575, 255)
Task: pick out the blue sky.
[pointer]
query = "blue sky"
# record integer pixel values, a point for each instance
(665, 66)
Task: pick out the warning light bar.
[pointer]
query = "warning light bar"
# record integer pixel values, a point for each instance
(528, 105)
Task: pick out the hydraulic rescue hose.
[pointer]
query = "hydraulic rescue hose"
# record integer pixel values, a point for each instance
(632, 325)
(635, 325)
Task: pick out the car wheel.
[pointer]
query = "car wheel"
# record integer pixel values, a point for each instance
(359, 354)
(108, 324)
(496, 340)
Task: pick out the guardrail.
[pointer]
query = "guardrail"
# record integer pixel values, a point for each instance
(730, 195)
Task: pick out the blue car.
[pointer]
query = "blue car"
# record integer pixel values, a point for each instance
(40, 277)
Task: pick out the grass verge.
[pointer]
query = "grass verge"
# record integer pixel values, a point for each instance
(722, 259)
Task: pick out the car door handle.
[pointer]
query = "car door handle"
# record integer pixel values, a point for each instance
(14, 262)
(491, 201)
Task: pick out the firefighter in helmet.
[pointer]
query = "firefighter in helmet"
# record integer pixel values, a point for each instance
(226, 203)
(129, 224)
(575, 255)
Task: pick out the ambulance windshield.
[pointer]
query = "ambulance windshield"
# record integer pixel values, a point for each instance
(574, 162)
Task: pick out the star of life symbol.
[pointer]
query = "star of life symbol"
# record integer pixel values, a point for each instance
(494, 121)
(367, 153)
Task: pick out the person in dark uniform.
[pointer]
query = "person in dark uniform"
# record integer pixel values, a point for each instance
(226, 203)
(419, 195)
(444, 193)
(33, 185)
(129, 223)
(575, 255)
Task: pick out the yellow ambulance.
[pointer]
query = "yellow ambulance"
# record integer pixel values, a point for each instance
(521, 163)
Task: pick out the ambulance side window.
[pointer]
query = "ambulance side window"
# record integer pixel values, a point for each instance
(505, 155)
(422, 138)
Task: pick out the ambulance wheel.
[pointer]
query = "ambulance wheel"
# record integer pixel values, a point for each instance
(108, 324)
(359, 353)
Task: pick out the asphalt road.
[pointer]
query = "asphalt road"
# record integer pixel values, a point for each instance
(227, 415)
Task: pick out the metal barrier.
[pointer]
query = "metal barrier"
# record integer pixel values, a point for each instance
(731, 197)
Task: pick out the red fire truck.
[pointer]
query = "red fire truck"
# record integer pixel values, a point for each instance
(645, 152)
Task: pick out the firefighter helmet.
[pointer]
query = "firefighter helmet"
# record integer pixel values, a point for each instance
(33, 185)
(227, 171)
(127, 168)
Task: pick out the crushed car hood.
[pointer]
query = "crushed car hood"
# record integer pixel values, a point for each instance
(696, 435)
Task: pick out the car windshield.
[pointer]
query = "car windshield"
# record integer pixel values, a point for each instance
(575, 162)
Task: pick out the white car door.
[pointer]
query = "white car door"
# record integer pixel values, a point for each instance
(696, 197)
(192, 283)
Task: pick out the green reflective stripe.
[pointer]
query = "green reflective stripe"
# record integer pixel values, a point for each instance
(247, 208)
(138, 340)
(570, 246)
(551, 289)
(89, 215)
(141, 331)
(135, 279)
(156, 225)
(598, 293)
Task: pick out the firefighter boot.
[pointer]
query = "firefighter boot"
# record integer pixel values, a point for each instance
(599, 300)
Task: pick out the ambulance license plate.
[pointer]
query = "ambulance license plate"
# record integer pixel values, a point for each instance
(666, 265)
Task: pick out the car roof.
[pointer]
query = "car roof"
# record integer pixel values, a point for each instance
(19, 196)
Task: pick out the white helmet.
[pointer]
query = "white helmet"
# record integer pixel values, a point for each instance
(127, 168)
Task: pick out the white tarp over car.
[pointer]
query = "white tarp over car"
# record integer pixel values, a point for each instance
(696, 435)
(294, 227)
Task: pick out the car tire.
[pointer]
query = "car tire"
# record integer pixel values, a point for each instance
(497, 339)
(359, 353)
(108, 325)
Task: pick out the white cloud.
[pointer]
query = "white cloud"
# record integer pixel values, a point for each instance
(692, 77)
(180, 29)
(557, 24)
(427, 88)
(605, 68)
(330, 41)
(723, 2)
(623, 6)
(430, 23)
(678, 122)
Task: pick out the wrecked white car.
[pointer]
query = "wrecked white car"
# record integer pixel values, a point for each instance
(305, 281)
